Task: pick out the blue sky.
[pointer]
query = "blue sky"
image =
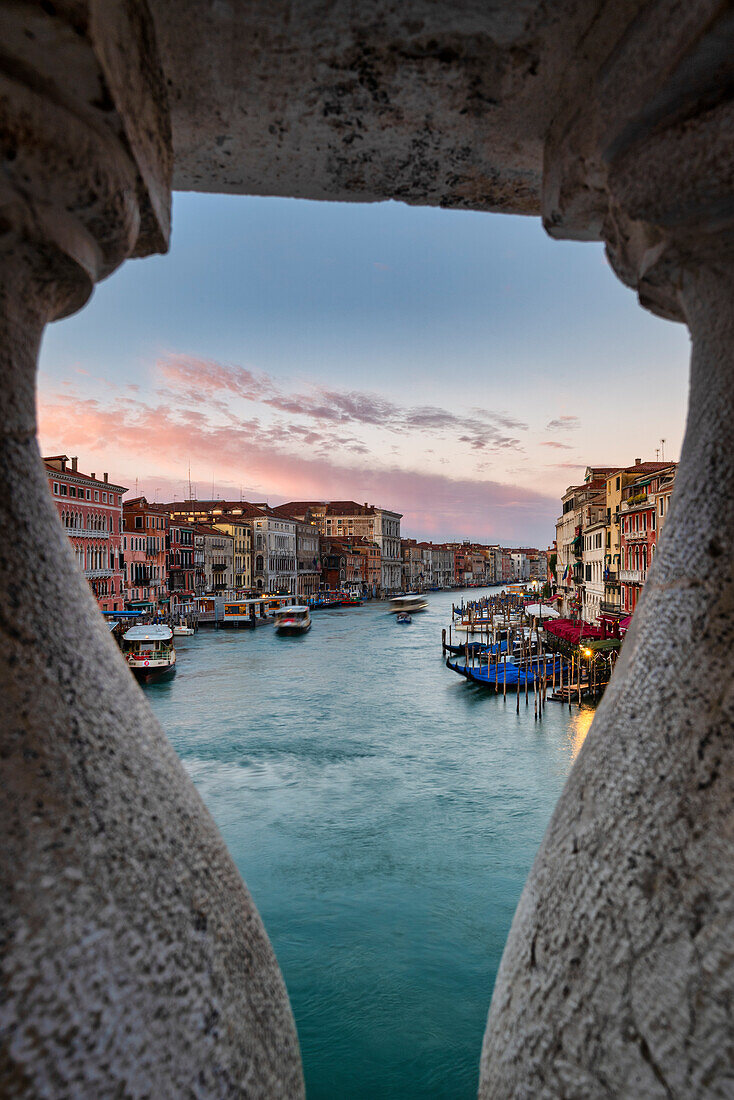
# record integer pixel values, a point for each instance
(410, 356)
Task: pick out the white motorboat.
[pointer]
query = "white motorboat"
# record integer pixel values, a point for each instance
(411, 603)
(292, 620)
(181, 630)
(149, 652)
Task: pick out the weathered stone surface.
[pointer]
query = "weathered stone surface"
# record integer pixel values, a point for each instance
(129, 975)
(133, 960)
(617, 977)
(438, 104)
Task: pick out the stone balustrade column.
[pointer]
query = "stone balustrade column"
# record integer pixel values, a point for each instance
(134, 962)
(618, 975)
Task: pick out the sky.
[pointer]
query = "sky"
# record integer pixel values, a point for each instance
(460, 368)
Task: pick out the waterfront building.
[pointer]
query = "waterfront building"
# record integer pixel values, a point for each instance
(273, 538)
(661, 491)
(594, 536)
(219, 556)
(198, 561)
(506, 566)
(520, 566)
(241, 533)
(616, 482)
(462, 563)
(91, 513)
(438, 564)
(144, 540)
(371, 557)
(180, 567)
(569, 538)
(347, 519)
(639, 510)
(412, 565)
(308, 554)
(494, 564)
(341, 567)
(274, 551)
(426, 551)
(443, 565)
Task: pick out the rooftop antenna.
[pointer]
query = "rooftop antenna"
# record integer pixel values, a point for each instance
(657, 453)
(136, 486)
(662, 449)
(190, 497)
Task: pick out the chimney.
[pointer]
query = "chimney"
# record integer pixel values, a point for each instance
(93, 475)
(638, 462)
(74, 462)
(63, 463)
(105, 477)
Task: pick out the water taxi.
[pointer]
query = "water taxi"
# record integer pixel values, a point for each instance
(411, 603)
(249, 613)
(181, 630)
(403, 617)
(149, 652)
(293, 620)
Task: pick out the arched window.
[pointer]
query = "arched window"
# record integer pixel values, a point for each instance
(259, 563)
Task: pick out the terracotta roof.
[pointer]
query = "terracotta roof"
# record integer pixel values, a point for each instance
(203, 529)
(68, 472)
(235, 509)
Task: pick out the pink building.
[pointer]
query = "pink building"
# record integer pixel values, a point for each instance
(91, 512)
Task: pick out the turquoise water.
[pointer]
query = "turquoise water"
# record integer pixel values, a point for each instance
(384, 814)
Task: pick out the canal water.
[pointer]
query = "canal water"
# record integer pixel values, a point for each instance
(384, 814)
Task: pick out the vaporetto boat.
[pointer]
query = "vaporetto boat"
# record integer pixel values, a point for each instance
(410, 602)
(149, 652)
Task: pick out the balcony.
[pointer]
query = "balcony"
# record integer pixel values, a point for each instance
(635, 536)
(610, 607)
(85, 533)
(91, 574)
(632, 576)
(631, 504)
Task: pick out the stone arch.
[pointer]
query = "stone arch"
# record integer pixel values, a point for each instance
(612, 121)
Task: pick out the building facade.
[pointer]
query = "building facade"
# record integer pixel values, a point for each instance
(371, 557)
(412, 566)
(91, 513)
(443, 565)
(219, 557)
(240, 532)
(181, 567)
(144, 540)
(347, 519)
(308, 555)
(642, 499)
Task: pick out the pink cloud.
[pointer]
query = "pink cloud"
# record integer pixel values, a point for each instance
(563, 424)
(155, 444)
(205, 380)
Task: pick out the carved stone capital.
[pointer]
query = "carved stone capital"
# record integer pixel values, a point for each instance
(85, 142)
(641, 153)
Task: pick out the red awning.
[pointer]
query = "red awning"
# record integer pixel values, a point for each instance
(570, 631)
